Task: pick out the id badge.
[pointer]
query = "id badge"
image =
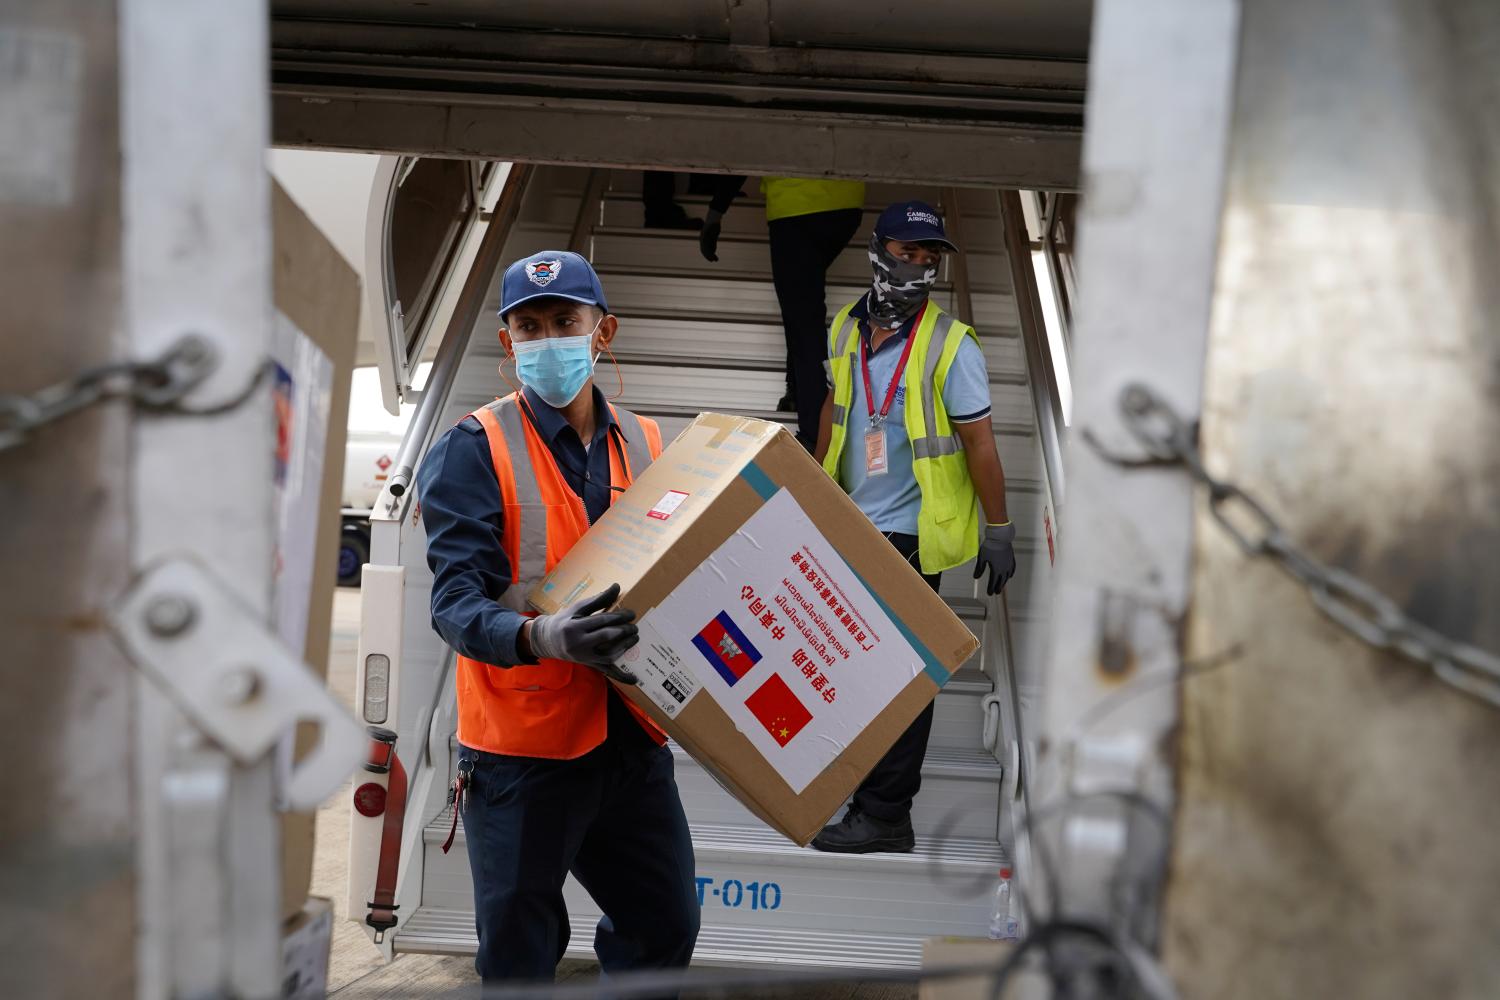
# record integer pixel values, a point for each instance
(875, 457)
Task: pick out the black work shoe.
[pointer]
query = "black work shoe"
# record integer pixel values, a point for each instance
(672, 217)
(857, 833)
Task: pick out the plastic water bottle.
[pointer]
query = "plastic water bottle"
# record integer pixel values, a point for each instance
(1003, 926)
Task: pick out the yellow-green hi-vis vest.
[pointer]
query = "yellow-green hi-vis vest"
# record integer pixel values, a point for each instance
(791, 196)
(948, 523)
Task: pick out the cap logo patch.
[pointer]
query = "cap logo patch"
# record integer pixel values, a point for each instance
(916, 215)
(543, 272)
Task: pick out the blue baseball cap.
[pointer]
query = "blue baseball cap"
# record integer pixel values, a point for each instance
(913, 222)
(551, 274)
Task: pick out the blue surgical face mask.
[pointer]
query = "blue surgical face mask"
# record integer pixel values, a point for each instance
(556, 368)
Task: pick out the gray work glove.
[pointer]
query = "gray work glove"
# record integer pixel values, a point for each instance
(998, 555)
(583, 632)
(708, 236)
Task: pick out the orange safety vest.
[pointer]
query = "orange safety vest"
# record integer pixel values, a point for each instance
(551, 709)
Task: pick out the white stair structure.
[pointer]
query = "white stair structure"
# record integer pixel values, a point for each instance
(697, 336)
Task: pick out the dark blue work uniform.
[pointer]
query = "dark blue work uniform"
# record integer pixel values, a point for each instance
(611, 817)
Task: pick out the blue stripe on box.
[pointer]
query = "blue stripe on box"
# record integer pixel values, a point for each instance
(931, 667)
(758, 480)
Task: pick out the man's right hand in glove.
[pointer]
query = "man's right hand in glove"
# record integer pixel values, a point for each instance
(583, 632)
(708, 236)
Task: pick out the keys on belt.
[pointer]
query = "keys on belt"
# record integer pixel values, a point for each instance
(456, 793)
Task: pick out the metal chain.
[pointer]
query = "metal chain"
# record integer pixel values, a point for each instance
(1346, 599)
(159, 385)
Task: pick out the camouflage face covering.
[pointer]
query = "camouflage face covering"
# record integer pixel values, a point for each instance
(899, 288)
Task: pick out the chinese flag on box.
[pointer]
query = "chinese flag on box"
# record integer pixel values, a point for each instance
(778, 710)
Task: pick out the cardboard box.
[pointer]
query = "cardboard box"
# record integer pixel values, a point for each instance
(305, 944)
(318, 294)
(784, 643)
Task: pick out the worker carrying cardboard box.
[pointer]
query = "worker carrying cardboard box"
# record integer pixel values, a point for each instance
(905, 430)
(558, 773)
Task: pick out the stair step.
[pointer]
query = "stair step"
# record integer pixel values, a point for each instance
(941, 888)
(747, 217)
(960, 794)
(840, 289)
(757, 343)
(966, 686)
(947, 762)
(725, 294)
(722, 293)
(956, 763)
(878, 194)
(648, 387)
(623, 210)
(677, 251)
(1015, 441)
(652, 391)
(956, 855)
(438, 930)
(673, 417)
(752, 200)
(957, 728)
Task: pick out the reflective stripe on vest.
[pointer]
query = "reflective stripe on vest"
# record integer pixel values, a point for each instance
(642, 439)
(787, 197)
(948, 521)
(932, 445)
(552, 709)
(841, 336)
(525, 536)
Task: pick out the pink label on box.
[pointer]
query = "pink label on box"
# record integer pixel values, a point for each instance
(667, 504)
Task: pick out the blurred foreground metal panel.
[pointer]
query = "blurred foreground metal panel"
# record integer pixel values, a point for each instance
(1160, 91)
(67, 837)
(146, 697)
(1338, 808)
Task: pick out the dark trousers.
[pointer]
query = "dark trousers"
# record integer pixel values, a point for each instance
(611, 817)
(658, 193)
(802, 249)
(886, 794)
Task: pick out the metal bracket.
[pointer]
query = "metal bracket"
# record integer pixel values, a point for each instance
(990, 706)
(232, 677)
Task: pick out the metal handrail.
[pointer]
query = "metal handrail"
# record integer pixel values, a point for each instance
(456, 338)
(588, 211)
(963, 300)
(997, 608)
(1048, 403)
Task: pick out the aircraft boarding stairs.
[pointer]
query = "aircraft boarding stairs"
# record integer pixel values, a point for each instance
(697, 336)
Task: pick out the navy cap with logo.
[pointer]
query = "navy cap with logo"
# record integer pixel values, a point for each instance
(551, 274)
(913, 222)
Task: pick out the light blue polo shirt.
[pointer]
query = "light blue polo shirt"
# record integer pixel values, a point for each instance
(893, 500)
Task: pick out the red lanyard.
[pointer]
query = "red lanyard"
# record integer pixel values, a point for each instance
(890, 391)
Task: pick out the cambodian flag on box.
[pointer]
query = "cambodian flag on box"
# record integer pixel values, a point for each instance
(726, 649)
